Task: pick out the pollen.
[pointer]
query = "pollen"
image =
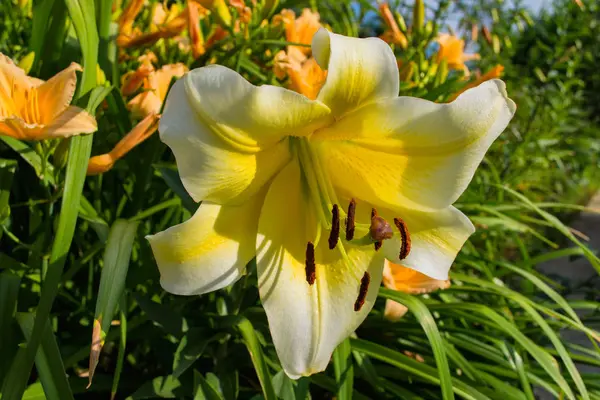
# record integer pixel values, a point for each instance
(362, 291)
(335, 227)
(350, 223)
(310, 267)
(404, 236)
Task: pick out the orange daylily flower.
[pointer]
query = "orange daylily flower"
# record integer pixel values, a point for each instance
(32, 109)
(403, 279)
(133, 80)
(495, 72)
(155, 84)
(244, 12)
(196, 37)
(452, 49)
(166, 23)
(142, 131)
(306, 77)
(301, 29)
(394, 34)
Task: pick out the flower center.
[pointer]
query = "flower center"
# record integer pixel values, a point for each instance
(325, 202)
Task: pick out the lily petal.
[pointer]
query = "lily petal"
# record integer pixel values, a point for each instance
(17, 128)
(210, 250)
(359, 71)
(227, 134)
(72, 121)
(55, 95)
(436, 238)
(412, 152)
(308, 320)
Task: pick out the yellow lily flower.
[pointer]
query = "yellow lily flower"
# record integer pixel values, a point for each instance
(452, 49)
(407, 280)
(32, 109)
(155, 84)
(142, 131)
(275, 171)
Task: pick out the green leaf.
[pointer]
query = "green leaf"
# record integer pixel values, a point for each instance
(344, 370)
(7, 171)
(122, 345)
(423, 371)
(83, 15)
(43, 170)
(48, 360)
(556, 223)
(170, 320)
(284, 386)
(190, 348)
(9, 290)
(171, 176)
(203, 390)
(117, 255)
(34, 392)
(258, 359)
(162, 386)
(88, 213)
(421, 312)
(112, 283)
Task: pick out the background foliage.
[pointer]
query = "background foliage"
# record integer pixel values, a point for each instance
(77, 249)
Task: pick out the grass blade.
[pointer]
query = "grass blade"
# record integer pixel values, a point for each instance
(421, 312)
(112, 283)
(344, 370)
(48, 361)
(258, 359)
(405, 363)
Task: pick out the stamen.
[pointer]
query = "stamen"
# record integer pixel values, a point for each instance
(362, 291)
(310, 268)
(335, 227)
(350, 223)
(405, 236)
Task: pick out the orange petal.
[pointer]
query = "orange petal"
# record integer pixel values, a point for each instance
(15, 86)
(196, 37)
(142, 131)
(495, 72)
(306, 26)
(55, 95)
(395, 33)
(394, 311)
(161, 79)
(398, 277)
(73, 121)
(401, 278)
(100, 164)
(145, 103)
(17, 128)
(133, 80)
(128, 16)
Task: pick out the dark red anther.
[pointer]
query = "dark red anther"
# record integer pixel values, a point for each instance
(362, 291)
(335, 227)
(350, 223)
(310, 267)
(404, 236)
